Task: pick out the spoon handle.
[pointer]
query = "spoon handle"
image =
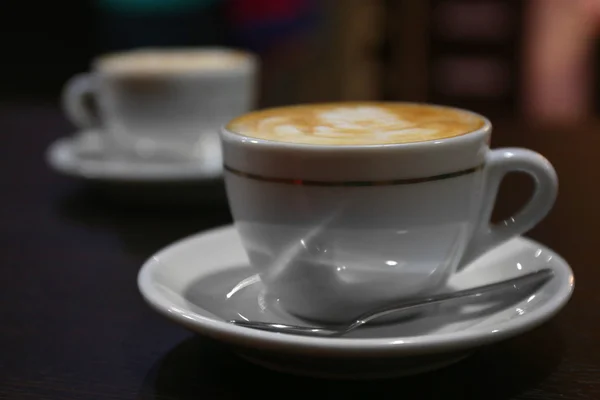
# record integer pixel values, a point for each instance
(536, 278)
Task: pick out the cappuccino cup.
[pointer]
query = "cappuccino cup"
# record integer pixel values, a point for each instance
(343, 207)
(162, 104)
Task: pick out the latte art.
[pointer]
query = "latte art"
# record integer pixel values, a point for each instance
(356, 123)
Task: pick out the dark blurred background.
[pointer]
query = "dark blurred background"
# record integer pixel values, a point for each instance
(534, 58)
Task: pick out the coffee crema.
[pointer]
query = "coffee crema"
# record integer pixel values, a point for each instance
(171, 60)
(360, 123)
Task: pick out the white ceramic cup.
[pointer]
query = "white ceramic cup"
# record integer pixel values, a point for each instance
(337, 230)
(155, 109)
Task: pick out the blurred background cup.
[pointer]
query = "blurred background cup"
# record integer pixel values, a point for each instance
(162, 104)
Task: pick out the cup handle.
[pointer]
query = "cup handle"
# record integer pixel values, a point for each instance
(73, 101)
(498, 163)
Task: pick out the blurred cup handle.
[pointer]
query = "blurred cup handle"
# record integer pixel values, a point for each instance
(75, 101)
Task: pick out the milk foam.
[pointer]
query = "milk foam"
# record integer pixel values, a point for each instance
(357, 123)
(167, 60)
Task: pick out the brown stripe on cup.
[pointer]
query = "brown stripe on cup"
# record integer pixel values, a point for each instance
(306, 182)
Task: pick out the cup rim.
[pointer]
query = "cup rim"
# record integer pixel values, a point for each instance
(249, 59)
(244, 139)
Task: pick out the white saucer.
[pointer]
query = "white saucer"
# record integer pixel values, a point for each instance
(204, 280)
(83, 156)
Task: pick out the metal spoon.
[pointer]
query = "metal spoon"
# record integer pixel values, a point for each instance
(536, 279)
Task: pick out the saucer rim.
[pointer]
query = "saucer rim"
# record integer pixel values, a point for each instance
(383, 347)
(61, 158)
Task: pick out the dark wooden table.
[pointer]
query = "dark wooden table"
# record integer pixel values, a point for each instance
(73, 325)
